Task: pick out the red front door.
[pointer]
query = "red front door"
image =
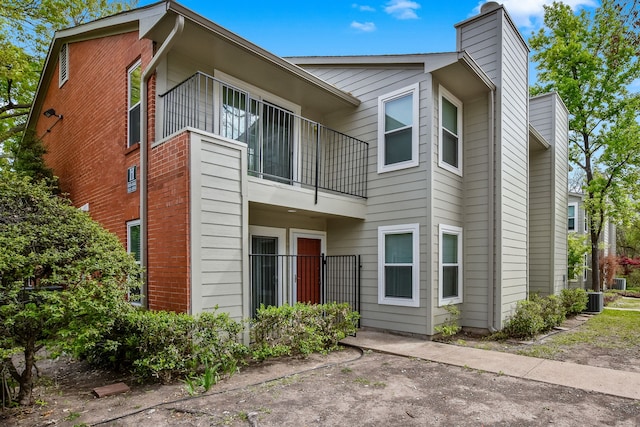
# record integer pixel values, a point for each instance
(308, 270)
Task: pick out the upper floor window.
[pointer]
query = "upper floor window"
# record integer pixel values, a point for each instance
(450, 265)
(398, 128)
(450, 152)
(63, 65)
(398, 265)
(572, 216)
(133, 123)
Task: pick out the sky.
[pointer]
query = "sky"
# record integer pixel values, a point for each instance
(362, 27)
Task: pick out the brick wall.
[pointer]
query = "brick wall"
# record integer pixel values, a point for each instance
(88, 151)
(169, 273)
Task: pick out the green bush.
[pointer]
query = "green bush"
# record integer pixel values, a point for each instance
(527, 320)
(574, 301)
(300, 329)
(551, 310)
(165, 345)
(450, 327)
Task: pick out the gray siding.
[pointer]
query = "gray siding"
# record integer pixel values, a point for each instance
(477, 210)
(394, 198)
(505, 59)
(219, 227)
(548, 197)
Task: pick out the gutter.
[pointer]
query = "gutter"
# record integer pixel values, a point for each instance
(144, 147)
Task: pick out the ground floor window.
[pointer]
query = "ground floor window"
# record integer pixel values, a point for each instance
(450, 271)
(133, 247)
(398, 265)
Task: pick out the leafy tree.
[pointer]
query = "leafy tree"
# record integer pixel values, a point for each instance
(591, 60)
(26, 29)
(577, 248)
(63, 278)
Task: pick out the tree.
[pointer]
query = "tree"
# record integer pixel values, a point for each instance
(591, 60)
(27, 27)
(63, 278)
(577, 248)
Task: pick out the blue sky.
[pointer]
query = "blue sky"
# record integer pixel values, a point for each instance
(332, 27)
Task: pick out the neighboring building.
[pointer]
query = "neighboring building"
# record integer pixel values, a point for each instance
(578, 222)
(426, 179)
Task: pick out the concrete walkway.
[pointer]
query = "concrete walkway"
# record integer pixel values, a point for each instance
(589, 378)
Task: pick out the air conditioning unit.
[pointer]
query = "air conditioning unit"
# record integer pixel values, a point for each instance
(620, 283)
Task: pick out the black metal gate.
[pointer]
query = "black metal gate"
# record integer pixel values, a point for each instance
(336, 278)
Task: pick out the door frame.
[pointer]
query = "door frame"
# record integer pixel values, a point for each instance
(294, 234)
(281, 235)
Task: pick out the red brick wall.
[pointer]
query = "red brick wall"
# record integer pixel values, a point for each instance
(88, 152)
(169, 273)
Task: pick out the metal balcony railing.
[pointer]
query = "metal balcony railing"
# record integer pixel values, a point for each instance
(282, 146)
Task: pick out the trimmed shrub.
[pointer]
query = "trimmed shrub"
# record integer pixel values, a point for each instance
(527, 320)
(551, 310)
(166, 345)
(574, 301)
(300, 329)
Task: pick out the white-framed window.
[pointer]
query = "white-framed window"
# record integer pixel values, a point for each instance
(133, 247)
(133, 99)
(399, 265)
(450, 271)
(586, 221)
(398, 129)
(63, 65)
(572, 216)
(450, 150)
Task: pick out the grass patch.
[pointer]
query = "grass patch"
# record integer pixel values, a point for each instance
(626, 302)
(609, 329)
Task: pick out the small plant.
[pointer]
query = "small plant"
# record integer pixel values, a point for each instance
(72, 416)
(574, 301)
(527, 320)
(450, 327)
(551, 310)
(300, 329)
(346, 370)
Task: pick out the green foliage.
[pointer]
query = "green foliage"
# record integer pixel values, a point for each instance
(450, 327)
(551, 309)
(27, 27)
(63, 278)
(166, 345)
(300, 329)
(574, 301)
(527, 320)
(590, 60)
(576, 250)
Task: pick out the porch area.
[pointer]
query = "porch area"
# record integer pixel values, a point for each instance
(282, 146)
(279, 279)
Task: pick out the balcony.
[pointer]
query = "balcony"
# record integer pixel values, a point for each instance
(282, 146)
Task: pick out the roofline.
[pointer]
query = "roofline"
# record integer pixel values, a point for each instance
(554, 94)
(131, 20)
(258, 51)
(541, 139)
(420, 59)
(492, 10)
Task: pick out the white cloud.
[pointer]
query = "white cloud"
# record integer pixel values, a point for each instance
(363, 8)
(529, 13)
(402, 9)
(366, 27)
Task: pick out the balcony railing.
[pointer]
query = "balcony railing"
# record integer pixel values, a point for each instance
(282, 146)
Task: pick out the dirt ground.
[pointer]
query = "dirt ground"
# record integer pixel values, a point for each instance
(345, 388)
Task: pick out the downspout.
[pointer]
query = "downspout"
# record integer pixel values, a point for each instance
(491, 316)
(144, 149)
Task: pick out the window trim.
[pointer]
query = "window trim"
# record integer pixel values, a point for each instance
(413, 90)
(444, 93)
(130, 225)
(575, 217)
(452, 230)
(414, 301)
(63, 65)
(130, 70)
